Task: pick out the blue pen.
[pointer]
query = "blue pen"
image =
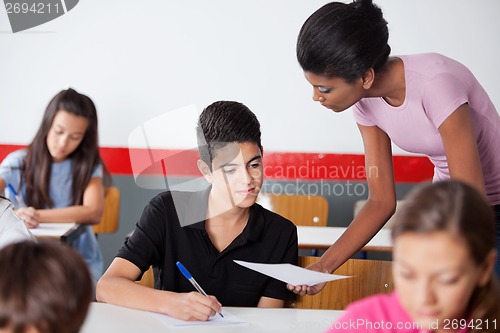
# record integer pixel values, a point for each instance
(20, 201)
(191, 279)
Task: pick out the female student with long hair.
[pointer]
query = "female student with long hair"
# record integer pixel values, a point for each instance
(60, 175)
(444, 252)
(425, 103)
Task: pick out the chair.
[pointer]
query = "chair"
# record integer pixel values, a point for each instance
(111, 212)
(148, 278)
(360, 203)
(369, 277)
(304, 210)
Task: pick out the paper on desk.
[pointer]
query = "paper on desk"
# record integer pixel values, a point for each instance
(12, 228)
(291, 274)
(229, 319)
(52, 229)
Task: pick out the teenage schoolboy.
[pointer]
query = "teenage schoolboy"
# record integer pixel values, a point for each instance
(207, 230)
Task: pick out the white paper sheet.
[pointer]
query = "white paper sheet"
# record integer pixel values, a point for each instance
(12, 229)
(52, 229)
(229, 319)
(291, 274)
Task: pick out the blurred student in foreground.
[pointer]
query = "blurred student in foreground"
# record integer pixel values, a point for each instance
(45, 287)
(444, 254)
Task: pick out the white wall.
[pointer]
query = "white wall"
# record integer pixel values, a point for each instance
(140, 59)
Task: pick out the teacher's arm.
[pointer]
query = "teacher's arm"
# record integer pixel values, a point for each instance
(379, 207)
(381, 202)
(461, 148)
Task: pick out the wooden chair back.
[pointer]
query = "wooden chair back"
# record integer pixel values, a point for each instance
(111, 213)
(304, 210)
(148, 278)
(369, 277)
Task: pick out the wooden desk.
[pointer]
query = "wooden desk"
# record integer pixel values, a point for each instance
(66, 232)
(112, 318)
(322, 237)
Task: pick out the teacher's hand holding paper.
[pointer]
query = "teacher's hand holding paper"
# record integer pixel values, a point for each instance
(309, 289)
(291, 274)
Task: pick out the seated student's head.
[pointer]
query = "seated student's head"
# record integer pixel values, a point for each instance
(231, 152)
(73, 114)
(44, 288)
(444, 252)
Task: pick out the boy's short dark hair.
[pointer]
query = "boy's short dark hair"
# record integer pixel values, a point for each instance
(225, 122)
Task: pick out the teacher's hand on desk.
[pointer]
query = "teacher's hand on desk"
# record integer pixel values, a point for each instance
(310, 290)
(29, 215)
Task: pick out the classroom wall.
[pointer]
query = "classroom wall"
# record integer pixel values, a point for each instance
(151, 66)
(141, 59)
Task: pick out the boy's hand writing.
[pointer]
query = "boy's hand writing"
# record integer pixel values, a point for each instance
(195, 306)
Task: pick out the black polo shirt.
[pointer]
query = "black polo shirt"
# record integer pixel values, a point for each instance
(168, 232)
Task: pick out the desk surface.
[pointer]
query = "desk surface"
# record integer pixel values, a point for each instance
(112, 318)
(66, 232)
(322, 237)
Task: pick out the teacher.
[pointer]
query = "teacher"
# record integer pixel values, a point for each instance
(424, 103)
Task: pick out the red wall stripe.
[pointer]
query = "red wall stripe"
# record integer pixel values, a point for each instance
(278, 165)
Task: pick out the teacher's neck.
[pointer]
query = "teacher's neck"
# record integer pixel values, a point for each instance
(389, 82)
